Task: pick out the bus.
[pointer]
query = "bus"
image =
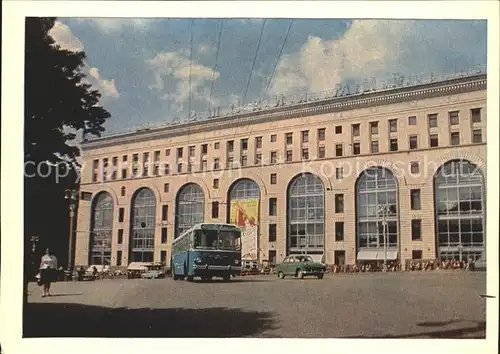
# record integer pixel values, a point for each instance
(207, 250)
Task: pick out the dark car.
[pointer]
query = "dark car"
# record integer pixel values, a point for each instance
(300, 267)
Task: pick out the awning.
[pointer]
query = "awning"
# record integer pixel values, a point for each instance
(376, 255)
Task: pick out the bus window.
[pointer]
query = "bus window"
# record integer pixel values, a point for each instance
(205, 239)
(229, 240)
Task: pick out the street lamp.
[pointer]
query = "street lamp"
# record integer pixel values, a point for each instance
(384, 210)
(72, 196)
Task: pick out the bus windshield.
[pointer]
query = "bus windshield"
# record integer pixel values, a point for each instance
(213, 239)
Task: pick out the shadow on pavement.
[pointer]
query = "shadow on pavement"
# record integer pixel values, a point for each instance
(472, 332)
(76, 320)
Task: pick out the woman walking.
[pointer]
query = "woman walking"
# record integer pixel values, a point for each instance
(48, 271)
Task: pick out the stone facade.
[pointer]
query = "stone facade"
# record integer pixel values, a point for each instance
(467, 96)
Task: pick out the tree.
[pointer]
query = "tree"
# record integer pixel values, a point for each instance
(57, 103)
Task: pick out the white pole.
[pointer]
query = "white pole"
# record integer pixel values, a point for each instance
(385, 236)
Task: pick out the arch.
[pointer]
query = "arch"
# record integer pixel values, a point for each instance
(189, 207)
(459, 204)
(243, 198)
(101, 229)
(377, 214)
(318, 172)
(142, 225)
(305, 214)
(397, 171)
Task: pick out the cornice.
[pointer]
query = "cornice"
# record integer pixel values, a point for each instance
(337, 104)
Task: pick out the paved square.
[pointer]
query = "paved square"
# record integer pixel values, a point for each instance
(367, 305)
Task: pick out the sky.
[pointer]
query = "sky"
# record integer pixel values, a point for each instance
(144, 67)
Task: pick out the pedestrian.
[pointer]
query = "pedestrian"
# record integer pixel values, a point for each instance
(48, 272)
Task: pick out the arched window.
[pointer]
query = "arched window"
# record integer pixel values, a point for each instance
(123, 191)
(306, 215)
(101, 229)
(377, 215)
(460, 211)
(143, 226)
(190, 208)
(243, 211)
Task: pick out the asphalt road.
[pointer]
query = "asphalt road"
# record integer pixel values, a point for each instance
(373, 305)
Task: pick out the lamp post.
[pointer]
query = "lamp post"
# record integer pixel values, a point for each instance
(383, 210)
(72, 196)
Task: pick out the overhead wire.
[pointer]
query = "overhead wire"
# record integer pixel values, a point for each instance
(215, 65)
(254, 60)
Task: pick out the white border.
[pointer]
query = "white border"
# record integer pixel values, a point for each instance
(12, 165)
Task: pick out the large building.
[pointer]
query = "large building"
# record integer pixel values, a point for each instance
(396, 174)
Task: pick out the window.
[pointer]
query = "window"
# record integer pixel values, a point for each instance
(288, 138)
(305, 154)
(230, 146)
(321, 134)
(164, 238)
(338, 129)
(123, 191)
(273, 206)
(321, 152)
(374, 128)
(216, 164)
(434, 141)
(166, 187)
(156, 170)
(244, 144)
(475, 115)
(258, 142)
(453, 116)
(204, 165)
(455, 138)
(339, 231)
(415, 167)
(190, 167)
(433, 120)
(115, 161)
(156, 156)
(412, 120)
(118, 258)
(124, 158)
(273, 178)
(416, 254)
(216, 146)
(167, 152)
(244, 160)
(305, 136)
(273, 138)
(339, 173)
(179, 167)
(375, 146)
(120, 236)
(179, 153)
(339, 203)
(394, 145)
(393, 125)
(135, 157)
(215, 210)
(121, 214)
(272, 232)
(355, 130)
(124, 173)
(416, 230)
(192, 151)
(105, 169)
(356, 148)
(164, 212)
(415, 199)
(272, 256)
(477, 136)
(338, 150)
(273, 157)
(204, 149)
(289, 156)
(163, 256)
(413, 142)
(216, 183)
(258, 159)
(166, 169)
(230, 162)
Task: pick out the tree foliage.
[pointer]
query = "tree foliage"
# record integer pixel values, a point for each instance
(56, 96)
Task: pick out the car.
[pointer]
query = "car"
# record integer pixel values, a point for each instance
(300, 266)
(153, 272)
(136, 269)
(479, 265)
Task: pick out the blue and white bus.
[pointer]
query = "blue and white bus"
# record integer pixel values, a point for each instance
(207, 250)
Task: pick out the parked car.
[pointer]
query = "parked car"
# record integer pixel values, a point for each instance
(300, 266)
(479, 265)
(135, 269)
(154, 271)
